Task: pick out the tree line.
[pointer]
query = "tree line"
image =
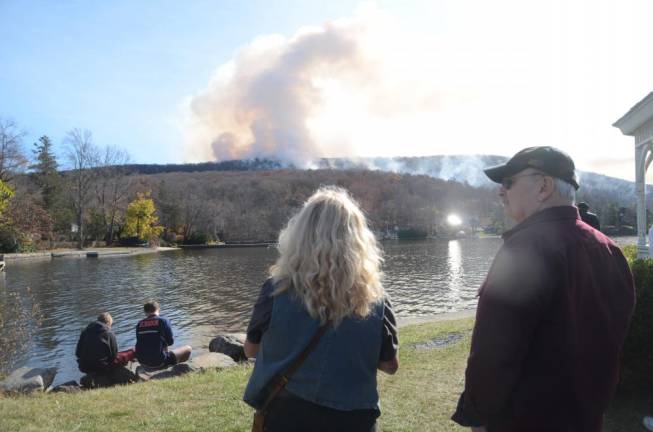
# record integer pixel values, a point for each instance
(94, 195)
(43, 205)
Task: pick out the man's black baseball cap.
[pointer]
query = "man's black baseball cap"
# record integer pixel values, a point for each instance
(547, 159)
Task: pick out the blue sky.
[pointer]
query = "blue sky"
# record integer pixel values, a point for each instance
(202, 80)
(122, 68)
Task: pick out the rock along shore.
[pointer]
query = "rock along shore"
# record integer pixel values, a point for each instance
(226, 350)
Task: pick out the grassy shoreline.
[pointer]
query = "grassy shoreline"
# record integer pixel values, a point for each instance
(420, 397)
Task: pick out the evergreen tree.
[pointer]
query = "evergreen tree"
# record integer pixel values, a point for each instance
(45, 171)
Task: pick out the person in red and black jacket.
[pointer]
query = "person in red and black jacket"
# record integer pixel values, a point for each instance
(154, 336)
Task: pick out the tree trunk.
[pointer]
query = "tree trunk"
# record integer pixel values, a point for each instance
(80, 230)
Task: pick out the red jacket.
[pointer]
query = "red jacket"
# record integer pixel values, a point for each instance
(552, 317)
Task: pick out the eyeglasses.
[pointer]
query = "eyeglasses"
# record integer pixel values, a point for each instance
(508, 182)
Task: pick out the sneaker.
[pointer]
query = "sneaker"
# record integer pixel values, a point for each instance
(648, 423)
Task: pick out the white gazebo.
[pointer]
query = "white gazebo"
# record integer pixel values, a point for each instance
(638, 123)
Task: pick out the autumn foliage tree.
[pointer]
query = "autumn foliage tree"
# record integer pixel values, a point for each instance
(24, 224)
(141, 220)
(6, 193)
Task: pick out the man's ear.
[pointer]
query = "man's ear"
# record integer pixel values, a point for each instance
(547, 187)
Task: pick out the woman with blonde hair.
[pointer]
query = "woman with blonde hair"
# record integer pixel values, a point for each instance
(322, 322)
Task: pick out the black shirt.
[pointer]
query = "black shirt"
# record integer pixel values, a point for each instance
(262, 314)
(96, 348)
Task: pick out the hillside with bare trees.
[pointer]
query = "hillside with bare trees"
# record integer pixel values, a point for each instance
(254, 206)
(44, 206)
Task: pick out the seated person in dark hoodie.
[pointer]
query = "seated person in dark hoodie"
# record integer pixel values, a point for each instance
(154, 336)
(97, 348)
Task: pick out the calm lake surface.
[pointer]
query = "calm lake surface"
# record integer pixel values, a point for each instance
(45, 304)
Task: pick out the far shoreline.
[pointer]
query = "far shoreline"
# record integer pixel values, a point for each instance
(96, 252)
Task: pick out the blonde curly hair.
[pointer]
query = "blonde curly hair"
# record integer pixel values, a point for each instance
(329, 258)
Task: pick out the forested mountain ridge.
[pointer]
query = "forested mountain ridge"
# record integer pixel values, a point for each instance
(462, 168)
(256, 205)
(245, 205)
(252, 200)
(230, 165)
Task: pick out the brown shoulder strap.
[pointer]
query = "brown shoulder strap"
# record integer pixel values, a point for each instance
(281, 383)
(309, 348)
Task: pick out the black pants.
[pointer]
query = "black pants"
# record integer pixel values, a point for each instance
(288, 413)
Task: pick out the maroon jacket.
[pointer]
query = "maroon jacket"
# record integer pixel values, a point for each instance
(552, 317)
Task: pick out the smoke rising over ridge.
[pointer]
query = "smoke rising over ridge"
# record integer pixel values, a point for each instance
(262, 107)
(381, 84)
(305, 97)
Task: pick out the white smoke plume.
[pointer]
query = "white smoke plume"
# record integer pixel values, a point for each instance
(280, 98)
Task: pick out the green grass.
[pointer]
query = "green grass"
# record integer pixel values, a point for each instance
(420, 397)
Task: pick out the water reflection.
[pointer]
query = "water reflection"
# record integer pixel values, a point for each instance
(419, 274)
(455, 263)
(45, 305)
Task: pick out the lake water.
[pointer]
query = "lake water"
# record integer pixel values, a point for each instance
(45, 304)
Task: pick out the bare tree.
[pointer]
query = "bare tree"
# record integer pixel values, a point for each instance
(83, 156)
(112, 186)
(12, 156)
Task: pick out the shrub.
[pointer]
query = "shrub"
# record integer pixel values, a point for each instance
(168, 238)
(8, 241)
(411, 233)
(638, 348)
(630, 252)
(132, 242)
(197, 238)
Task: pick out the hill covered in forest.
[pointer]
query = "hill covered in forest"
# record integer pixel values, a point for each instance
(251, 200)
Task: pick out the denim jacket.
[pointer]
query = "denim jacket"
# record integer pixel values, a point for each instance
(340, 373)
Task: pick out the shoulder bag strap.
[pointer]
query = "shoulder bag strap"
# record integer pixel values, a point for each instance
(281, 383)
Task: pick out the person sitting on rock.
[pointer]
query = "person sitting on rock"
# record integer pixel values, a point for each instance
(154, 336)
(97, 349)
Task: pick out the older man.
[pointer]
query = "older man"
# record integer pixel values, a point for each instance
(553, 311)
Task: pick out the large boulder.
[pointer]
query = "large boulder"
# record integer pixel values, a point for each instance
(212, 360)
(230, 344)
(28, 380)
(145, 373)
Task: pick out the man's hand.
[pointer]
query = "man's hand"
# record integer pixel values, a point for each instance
(479, 429)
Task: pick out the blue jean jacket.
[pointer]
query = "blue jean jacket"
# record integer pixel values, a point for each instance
(340, 373)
